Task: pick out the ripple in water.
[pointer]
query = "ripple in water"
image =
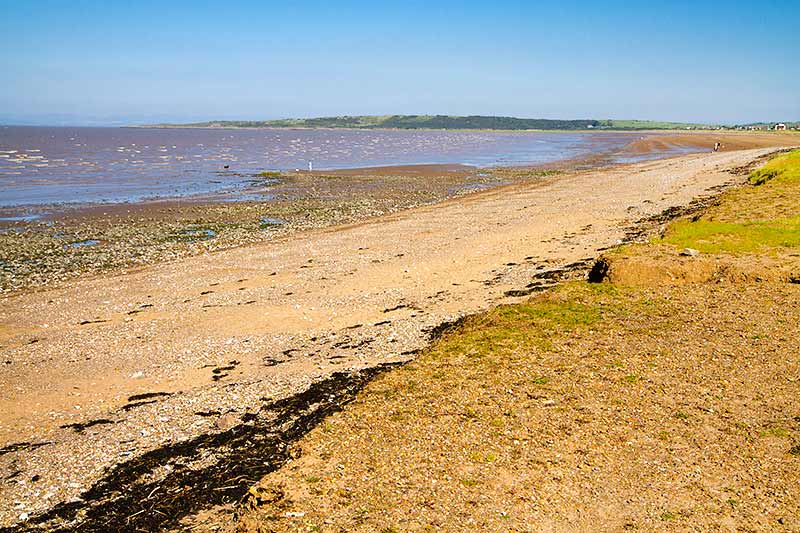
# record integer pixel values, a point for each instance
(47, 165)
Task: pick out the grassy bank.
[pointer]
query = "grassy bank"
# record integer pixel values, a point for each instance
(664, 398)
(764, 218)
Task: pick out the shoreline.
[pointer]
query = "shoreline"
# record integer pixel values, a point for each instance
(62, 242)
(654, 145)
(121, 237)
(229, 328)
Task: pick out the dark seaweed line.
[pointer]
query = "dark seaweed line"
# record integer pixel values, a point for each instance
(125, 500)
(595, 269)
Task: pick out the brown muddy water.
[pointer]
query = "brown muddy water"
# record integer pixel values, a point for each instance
(73, 165)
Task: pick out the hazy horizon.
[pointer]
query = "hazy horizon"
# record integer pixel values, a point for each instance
(95, 63)
(88, 122)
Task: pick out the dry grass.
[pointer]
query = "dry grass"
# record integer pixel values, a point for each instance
(589, 408)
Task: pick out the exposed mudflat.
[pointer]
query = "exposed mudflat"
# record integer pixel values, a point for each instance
(706, 140)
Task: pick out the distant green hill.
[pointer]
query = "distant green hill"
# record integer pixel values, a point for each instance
(441, 122)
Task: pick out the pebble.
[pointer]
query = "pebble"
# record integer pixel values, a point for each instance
(226, 421)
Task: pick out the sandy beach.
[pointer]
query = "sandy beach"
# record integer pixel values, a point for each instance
(101, 370)
(392, 267)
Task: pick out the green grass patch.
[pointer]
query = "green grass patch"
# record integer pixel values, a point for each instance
(758, 219)
(760, 177)
(269, 174)
(732, 237)
(775, 432)
(533, 324)
(549, 314)
(784, 168)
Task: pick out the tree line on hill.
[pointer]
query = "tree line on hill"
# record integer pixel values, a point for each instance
(443, 122)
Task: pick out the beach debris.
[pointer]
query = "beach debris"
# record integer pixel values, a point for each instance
(22, 446)
(82, 244)
(261, 494)
(397, 307)
(202, 233)
(226, 421)
(141, 308)
(79, 427)
(147, 396)
(129, 406)
(222, 371)
(270, 222)
(95, 321)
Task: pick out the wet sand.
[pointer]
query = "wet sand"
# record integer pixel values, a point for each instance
(40, 165)
(101, 370)
(47, 251)
(650, 145)
(705, 141)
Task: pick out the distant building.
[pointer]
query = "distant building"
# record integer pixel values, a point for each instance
(780, 127)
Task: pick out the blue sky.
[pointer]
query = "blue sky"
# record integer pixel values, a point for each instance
(133, 62)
